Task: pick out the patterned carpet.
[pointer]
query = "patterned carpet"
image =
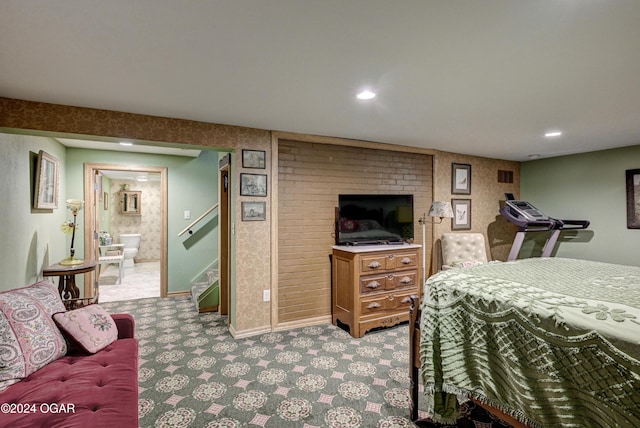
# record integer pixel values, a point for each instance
(192, 373)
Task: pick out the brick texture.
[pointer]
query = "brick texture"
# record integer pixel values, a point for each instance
(310, 178)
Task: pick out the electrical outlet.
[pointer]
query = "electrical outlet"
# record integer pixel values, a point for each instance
(266, 295)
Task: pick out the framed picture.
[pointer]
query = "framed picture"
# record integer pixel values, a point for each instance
(461, 214)
(253, 184)
(253, 159)
(460, 179)
(47, 172)
(254, 211)
(633, 199)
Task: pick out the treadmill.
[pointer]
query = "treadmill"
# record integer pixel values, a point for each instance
(530, 219)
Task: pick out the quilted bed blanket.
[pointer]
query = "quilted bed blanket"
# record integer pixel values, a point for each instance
(553, 342)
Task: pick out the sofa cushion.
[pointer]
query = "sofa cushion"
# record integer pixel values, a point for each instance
(89, 327)
(29, 339)
(98, 390)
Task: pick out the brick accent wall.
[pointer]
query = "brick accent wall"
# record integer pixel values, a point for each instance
(310, 178)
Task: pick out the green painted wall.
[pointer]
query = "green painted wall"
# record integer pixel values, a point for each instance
(589, 186)
(192, 185)
(31, 239)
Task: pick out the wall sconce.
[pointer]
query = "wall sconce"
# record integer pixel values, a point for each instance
(440, 210)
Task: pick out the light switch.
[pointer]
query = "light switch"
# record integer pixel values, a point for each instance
(187, 215)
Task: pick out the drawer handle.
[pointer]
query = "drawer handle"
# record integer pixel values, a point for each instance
(373, 305)
(390, 256)
(406, 261)
(391, 298)
(373, 265)
(405, 280)
(373, 284)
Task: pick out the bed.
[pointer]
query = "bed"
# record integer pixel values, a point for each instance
(541, 342)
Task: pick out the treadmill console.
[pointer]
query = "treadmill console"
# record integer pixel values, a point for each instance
(526, 210)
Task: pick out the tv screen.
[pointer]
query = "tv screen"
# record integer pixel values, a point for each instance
(374, 219)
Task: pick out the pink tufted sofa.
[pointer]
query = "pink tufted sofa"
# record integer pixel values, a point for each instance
(77, 389)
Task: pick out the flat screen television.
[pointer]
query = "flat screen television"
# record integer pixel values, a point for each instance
(374, 219)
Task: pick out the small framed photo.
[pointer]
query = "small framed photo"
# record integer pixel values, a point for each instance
(46, 186)
(461, 214)
(633, 199)
(253, 184)
(254, 211)
(253, 159)
(460, 179)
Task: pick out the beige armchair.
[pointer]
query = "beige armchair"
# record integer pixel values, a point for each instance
(463, 249)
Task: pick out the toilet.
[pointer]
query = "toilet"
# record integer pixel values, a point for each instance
(131, 243)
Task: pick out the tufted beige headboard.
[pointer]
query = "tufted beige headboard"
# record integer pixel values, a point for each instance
(458, 248)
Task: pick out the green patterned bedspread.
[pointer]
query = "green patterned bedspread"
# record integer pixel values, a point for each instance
(553, 342)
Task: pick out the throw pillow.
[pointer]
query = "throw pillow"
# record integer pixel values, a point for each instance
(29, 339)
(90, 327)
(348, 225)
(468, 263)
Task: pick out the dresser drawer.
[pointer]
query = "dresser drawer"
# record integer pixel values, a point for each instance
(386, 303)
(370, 264)
(402, 261)
(388, 282)
(373, 283)
(402, 279)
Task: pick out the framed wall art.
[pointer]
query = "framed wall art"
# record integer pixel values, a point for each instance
(46, 184)
(461, 214)
(253, 159)
(254, 211)
(253, 184)
(460, 179)
(633, 199)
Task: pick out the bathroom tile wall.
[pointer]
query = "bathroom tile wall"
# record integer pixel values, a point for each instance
(147, 223)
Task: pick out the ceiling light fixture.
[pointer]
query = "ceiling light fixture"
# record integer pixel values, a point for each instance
(366, 95)
(125, 143)
(553, 134)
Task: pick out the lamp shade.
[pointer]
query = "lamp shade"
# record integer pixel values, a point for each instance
(441, 209)
(75, 205)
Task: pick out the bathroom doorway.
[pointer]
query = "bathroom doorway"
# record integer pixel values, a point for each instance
(100, 200)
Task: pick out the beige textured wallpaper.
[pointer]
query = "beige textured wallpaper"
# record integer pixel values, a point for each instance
(147, 223)
(486, 196)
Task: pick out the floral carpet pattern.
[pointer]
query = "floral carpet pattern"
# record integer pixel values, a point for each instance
(193, 373)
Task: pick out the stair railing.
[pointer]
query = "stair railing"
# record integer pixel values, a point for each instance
(196, 221)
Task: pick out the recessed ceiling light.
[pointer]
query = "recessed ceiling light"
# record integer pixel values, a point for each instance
(536, 156)
(125, 143)
(366, 95)
(553, 134)
(141, 178)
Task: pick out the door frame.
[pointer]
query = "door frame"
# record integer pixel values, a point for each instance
(225, 233)
(91, 236)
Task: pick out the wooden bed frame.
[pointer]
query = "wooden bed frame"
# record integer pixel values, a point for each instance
(414, 367)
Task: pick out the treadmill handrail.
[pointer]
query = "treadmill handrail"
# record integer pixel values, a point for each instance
(577, 224)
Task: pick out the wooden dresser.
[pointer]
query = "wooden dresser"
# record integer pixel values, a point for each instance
(371, 285)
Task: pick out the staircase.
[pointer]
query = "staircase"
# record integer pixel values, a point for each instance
(205, 289)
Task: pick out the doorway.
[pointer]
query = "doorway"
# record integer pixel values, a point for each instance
(94, 202)
(225, 232)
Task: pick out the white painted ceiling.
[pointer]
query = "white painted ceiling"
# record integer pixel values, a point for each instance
(481, 77)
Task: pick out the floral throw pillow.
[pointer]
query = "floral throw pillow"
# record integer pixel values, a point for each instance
(29, 339)
(468, 263)
(90, 327)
